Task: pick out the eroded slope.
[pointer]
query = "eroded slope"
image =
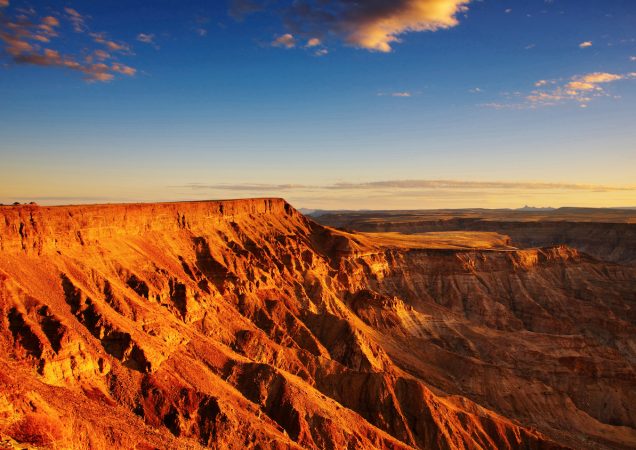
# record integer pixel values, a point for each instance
(242, 324)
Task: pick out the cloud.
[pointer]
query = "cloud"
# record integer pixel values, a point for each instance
(50, 22)
(146, 38)
(417, 194)
(321, 52)
(113, 46)
(78, 21)
(581, 89)
(201, 25)
(30, 40)
(101, 54)
(52, 58)
(123, 69)
(4, 3)
(23, 35)
(601, 77)
(313, 42)
(285, 40)
(397, 94)
(461, 184)
(585, 44)
(632, 58)
(241, 8)
(410, 185)
(373, 25)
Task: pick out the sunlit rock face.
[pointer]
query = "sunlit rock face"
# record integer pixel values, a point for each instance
(243, 324)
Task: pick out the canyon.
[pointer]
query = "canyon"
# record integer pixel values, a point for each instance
(244, 324)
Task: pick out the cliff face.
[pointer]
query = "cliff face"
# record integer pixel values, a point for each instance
(607, 241)
(242, 324)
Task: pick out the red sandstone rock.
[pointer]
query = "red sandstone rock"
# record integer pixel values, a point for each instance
(242, 324)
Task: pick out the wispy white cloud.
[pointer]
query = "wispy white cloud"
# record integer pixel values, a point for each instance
(200, 26)
(146, 38)
(397, 94)
(586, 44)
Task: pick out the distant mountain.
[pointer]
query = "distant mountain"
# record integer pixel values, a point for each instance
(534, 208)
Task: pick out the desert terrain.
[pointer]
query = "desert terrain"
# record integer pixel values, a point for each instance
(243, 324)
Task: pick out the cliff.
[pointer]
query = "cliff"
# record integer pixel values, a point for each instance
(610, 239)
(243, 324)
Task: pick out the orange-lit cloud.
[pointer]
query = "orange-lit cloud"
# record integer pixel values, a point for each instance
(581, 89)
(101, 54)
(372, 25)
(601, 77)
(123, 69)
(378, 27)
(113, 46)
(4, 3)
(28, 39)
(586, 44)
(286, 40)
(52, 58)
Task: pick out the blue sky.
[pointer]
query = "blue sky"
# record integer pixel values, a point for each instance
(401, 104)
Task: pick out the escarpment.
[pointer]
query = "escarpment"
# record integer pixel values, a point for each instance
(610, 239)
(243, 324)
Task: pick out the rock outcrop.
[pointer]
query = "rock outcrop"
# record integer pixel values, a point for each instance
(243, 324)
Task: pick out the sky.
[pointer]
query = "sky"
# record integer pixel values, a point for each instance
(331, 104)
